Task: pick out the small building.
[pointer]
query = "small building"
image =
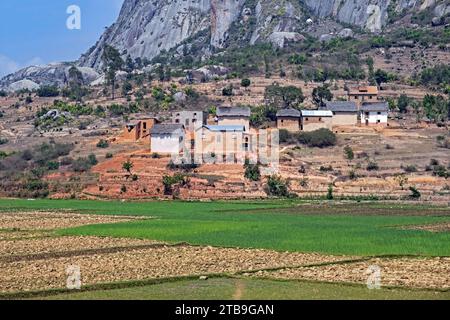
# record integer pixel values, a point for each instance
(167, 138)
(312, 120)
(363, 94)
(289, 119)
(191, 120)
(374, 113)
(345, 113)
(238, 116)
(223, 143)
(139, 129)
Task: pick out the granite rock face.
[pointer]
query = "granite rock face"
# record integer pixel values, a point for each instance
(145, 28)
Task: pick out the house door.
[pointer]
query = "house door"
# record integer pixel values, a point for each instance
(367, 122)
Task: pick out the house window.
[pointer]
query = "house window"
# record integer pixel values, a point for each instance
(379, 113)
(306, 119)
(282, 121)
(177, 120)
(145, 125)
(320, 119)
(370, 97)
(378, 121)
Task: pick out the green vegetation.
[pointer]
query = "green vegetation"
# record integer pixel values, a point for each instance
(252, 171)
(283, 97)
(103, 144)
(356, 229)
(277, 186)
(250, 289)
(48, 91)
(112, 62)
(320, 138)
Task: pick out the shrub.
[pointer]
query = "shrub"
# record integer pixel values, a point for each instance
(48, 91)
(372, 166)
(66, 161)
(246, 83)
(109, 155)
(349, 154)
(441, 171)
(103, 144)
(170, 181)
(277, 186)
(326, 169)
(92, 159)
(227, 91)
(3, 141)
(320, 138)
(330, 192)
(81, 165)
(410, 168)
(252, 172)
(434, 162)
(415, 194)
(53, 165)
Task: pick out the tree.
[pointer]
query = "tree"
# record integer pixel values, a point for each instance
(283, 97)
(402, 103)
(330, 192)
(128, 166)
(381, 76)
(322, 94)
(349, 154)
(129, 64)
(112, 62)
(246, 83)
(370, 66)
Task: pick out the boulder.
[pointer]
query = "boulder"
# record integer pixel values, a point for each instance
(346, 33)
(24, 84)
(279, 39)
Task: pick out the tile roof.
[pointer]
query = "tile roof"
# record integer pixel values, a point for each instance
(376, 106)
(233, 112)
(291, 112)
(342, 106)
(167, 128)
(362, 90)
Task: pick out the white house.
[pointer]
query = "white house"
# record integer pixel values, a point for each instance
(167, 138)
(373, 114)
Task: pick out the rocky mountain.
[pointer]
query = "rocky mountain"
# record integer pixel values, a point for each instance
(145, 28)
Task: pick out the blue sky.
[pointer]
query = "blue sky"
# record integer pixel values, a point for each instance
(35, 32)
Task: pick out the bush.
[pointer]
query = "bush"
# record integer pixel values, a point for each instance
(53, 165)
(410, 168)
(92, 159)
(103, 144)
(326, 169)
(349, 154)
(3, 141)
(277, 186)
(170, 181)
(415, 194)
(109, 155)
(320, 138)
(252, 172)
(227, 91)
(372, 166)
(48, 91)
(81, 165)
(246, 83)
(330, 192)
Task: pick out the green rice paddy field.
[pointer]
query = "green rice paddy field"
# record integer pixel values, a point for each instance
(358, 228)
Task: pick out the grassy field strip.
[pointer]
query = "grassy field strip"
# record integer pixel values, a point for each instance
(341, 287)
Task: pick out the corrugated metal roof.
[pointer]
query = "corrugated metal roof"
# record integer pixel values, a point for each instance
(167, 128)
(233, 112)
(227, 128)
(376, 107)
(317, 113)
(342, 106)
(294, 113)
